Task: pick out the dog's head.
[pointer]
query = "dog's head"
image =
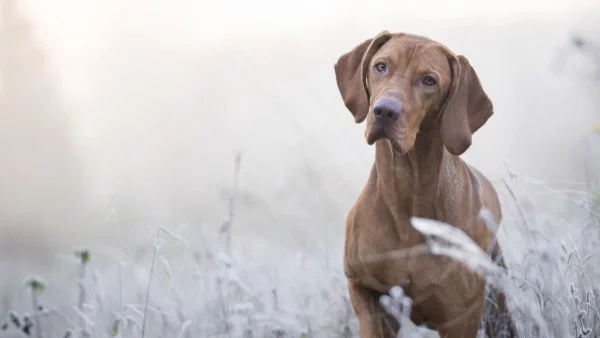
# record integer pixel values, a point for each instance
(403, 84)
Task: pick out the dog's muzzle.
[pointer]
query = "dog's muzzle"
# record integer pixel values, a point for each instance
(386, 111)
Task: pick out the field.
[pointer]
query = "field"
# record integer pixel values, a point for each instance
(167, 176)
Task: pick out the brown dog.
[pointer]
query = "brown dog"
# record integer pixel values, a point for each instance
(422, 103)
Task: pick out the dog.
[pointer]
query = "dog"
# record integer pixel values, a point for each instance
(422, 103)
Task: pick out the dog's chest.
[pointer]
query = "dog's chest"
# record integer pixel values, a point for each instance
(382, 256)
(380, 261)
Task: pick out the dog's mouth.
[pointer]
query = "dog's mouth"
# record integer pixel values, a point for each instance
(378, 132)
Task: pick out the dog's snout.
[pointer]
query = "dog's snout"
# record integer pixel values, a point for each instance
(387, 109)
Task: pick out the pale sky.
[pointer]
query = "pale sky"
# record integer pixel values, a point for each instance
(76, 19)
(76, 31)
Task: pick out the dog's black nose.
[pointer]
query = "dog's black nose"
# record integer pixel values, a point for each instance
(387, 109)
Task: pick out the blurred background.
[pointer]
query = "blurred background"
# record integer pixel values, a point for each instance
(117, 117)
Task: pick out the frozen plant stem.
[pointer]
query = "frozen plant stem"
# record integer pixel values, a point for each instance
(36, 287)
(587, 281)
(36, 314)
(232, 196)
(224, 307)
(84, 257)
(154, 256)
(113, 218)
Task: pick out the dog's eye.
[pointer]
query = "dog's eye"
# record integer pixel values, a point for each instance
(428, 81)
(380, 67)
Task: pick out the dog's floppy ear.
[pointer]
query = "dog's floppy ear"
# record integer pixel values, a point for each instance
(350, 71)
(466, 109)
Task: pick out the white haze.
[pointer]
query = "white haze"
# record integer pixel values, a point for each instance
(142, 105)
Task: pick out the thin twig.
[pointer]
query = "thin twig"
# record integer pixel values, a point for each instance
(589, 285)
(228, 224)
(36, 313)
(154, 257)
(113, 217)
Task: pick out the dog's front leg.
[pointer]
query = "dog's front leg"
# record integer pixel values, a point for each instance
(372, 320)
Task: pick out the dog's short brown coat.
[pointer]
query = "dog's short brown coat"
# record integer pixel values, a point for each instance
(437, 102)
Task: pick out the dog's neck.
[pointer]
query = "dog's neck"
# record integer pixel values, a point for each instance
(409, 182)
